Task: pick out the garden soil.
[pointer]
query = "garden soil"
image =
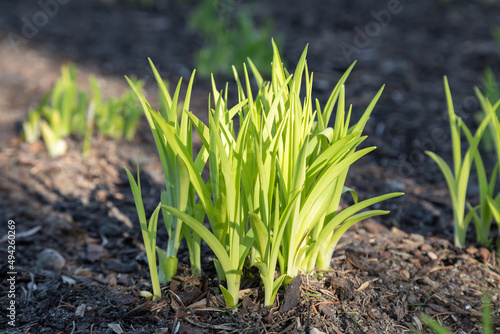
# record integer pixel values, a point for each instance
(385, 271)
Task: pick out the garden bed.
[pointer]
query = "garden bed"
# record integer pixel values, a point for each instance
(385, 271)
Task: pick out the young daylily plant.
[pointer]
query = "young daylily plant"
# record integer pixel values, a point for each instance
(458, 179)
(302, 166)
(66, 113)
(179, 191)
(489, 202)
(225, 196)
(275, 183)
(148, 230)
(492, 93)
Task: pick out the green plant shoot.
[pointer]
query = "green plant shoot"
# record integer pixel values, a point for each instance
(492, 93)
(458, 179)
(179, 192)
(224, 196)
(148, 230)
(31, 128)
(489, 202)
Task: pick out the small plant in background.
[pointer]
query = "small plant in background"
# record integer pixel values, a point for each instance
(66, 111)
(283, 172)
(148, 230)
(489, 202)
(230, 39)
(31, 131)
(492, 93)
(117, 117)
(491, 89)
(458, 179)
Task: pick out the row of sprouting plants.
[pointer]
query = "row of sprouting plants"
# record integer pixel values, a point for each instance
(67, 110)
(277, 174)
(228, 30)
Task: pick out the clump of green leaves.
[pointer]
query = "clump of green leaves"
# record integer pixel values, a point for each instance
(179, 191)
(62, 113)
(230, 36)
(458, 179)
(117, 117)
(492, 93)
(496, 36)
(275, 183)
(67, 110)
(489, 205)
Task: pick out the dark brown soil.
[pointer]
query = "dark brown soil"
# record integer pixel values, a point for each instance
(385, 272)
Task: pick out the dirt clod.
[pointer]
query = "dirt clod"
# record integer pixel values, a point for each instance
(292, 295)
(342, 288)
(50, 259)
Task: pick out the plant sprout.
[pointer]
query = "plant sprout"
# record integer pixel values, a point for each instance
(148, 230)
(179, 191)
(458, 179)
(489, 202)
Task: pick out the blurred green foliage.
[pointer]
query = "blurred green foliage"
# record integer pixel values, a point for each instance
(66, 110)
(231, 36)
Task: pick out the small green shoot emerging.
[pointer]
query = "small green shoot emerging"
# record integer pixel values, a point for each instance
(148, 230)
(489, 203)
(179, 193)
(458, 179)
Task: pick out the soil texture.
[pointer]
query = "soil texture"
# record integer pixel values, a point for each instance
(385, 271)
